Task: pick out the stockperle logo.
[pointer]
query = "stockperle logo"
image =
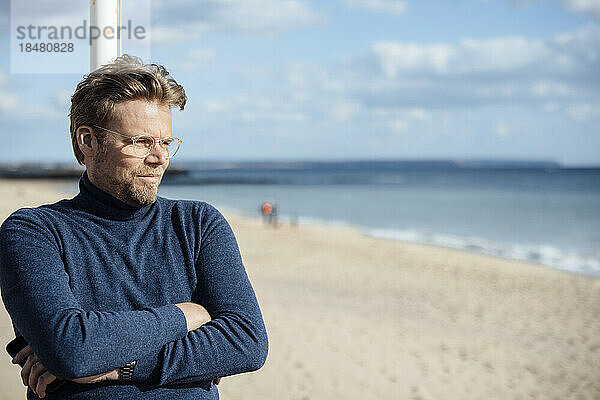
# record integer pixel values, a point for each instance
(56, 36)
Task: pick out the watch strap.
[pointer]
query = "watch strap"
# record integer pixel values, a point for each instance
(126, 371)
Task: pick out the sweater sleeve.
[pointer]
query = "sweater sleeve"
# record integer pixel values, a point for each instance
(235, 340)
(68, 340)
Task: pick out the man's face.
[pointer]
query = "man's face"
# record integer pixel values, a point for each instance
(115, 169)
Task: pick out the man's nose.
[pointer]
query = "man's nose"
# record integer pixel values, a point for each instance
(157, 155)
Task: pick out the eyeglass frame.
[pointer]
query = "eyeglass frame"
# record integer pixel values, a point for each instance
(156, 140)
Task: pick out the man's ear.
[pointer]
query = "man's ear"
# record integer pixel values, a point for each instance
(86, 140)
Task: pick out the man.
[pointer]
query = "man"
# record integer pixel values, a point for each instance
(121, 293)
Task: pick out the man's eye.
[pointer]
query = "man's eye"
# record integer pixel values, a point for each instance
(167, 141)
(146, 141)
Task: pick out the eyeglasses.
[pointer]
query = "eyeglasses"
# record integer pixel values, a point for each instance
(142, 145)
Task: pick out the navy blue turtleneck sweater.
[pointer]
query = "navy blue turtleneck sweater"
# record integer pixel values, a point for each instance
(91, 284)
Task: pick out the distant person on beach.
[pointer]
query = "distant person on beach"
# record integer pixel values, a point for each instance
(266, 210)
(269, 213)
(117, 285)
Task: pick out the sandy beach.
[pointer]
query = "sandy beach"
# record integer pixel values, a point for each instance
(352, 317)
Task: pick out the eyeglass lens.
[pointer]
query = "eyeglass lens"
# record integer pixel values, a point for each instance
(144, 145)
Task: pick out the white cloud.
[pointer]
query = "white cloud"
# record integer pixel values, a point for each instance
(584, 6)
(507, 70)
(396, 124)
(344, 111)
(545, 88)
(584, 111)
(164, 34)
(197, 59)
(400, 119)
(476, 55)
(253, 109)
(591, 7)
(551, 107)
(50, 12)
(186, 19)
(308, 77)
(14, 107)
(470, 55)
(394, 7)
(398, 57)
(63, 98)
(40, 112)
(396, 77)
(503, 129)
(579, 111)
(215, 106)
(8, 103)
(495, 91)
(577, 49)
(322, 93)
(417, 114)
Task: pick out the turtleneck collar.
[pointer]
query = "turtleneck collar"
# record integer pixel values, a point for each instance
(104, 205)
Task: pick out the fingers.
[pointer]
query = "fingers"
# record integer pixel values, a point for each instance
(22, 355)
(31, 360)
(33, 373)
(36, 371)
(44, 380)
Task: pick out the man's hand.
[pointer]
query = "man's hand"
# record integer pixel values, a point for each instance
(195, 315)
(35, 375)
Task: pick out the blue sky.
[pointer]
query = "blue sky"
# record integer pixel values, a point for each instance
(352, 79)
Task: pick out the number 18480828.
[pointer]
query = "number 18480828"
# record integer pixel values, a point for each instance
(63, 47)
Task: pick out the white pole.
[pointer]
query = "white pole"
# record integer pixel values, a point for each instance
(104, 22)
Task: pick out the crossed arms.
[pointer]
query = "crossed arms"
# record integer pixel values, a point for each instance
(72, 343)
(38, 378)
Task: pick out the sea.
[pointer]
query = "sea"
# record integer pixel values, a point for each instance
(537, 212)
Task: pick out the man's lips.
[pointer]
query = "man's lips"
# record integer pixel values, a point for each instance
(150, 178)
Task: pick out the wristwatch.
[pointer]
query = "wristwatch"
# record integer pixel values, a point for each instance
(126, 371)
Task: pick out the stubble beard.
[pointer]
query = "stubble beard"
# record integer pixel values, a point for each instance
(127, 187)
(139, 192)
